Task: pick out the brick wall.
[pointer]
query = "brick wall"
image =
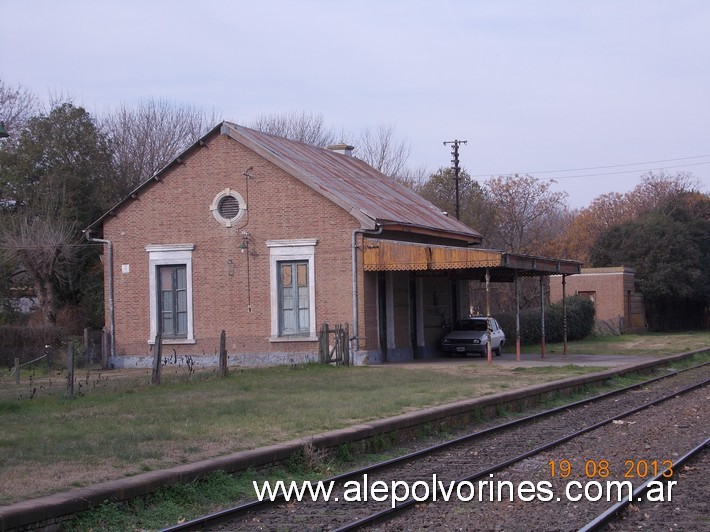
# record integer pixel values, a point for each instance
(231, 289)
(613, 291)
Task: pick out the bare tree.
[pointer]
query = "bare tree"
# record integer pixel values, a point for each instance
(377, 147)
(525, 209)
(302, 127)
(46, 247)
(148, 137)
(380, 149)
(17, 105)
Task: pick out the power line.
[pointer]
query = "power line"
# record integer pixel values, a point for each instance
(609, 166)
(624, 171)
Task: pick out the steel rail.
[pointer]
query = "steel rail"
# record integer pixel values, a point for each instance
(609, 514)
(387, 514)
(235, 512)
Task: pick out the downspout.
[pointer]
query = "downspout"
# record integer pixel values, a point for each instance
(111, 314)
(356, 338)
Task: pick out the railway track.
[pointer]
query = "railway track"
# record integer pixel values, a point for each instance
(497, 452)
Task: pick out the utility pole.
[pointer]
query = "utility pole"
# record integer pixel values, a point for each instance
(455, 161)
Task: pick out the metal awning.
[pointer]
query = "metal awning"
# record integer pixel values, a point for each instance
(393, 255)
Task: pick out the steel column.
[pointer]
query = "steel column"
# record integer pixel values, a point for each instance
(517, 317)
(564, 313)
(488, 314)
(542, 319)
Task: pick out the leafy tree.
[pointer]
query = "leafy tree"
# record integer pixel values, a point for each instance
(60, 173)
(609, 210)
(62, 157)
(146, 138)
(669, 247)
(475, 207)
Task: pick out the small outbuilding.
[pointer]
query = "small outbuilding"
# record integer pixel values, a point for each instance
(618, 304)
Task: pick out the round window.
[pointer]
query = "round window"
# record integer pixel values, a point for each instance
(228, 207)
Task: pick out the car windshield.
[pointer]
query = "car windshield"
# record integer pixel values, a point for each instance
(470, 325)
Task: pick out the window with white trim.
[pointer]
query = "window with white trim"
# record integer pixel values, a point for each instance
(172, 281)
(292, 271)
(294, 301)
(170, 292)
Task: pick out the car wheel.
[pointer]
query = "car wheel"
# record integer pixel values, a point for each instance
(498, 350)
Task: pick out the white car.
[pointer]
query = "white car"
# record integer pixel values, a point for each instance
(469, 335)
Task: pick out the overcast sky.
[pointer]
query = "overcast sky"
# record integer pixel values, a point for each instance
(557, 89)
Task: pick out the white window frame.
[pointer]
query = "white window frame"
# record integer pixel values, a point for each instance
(169, 255)
(302, 249)
(214, 207)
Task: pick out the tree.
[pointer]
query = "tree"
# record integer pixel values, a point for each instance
(61, 156)
(381, 150)
(17, 105)
(302, 127)
(475, 207)
(669, 247)
(524, 208)
(148, 137)
(609, 210)
(46, 247)
(378, 148)
(61, 175)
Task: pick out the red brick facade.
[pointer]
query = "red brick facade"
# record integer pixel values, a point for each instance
(231, 288)
(613, 292)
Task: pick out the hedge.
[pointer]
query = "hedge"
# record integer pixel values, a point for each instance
(580, 322)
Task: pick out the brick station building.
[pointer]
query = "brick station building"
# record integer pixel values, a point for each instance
(267, 238)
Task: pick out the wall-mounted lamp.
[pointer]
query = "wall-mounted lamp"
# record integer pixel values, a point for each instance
(246, 238)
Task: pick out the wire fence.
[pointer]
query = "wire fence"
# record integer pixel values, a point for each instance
(51, 375)
(77, 368)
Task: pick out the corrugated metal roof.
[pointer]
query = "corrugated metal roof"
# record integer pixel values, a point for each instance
(368, 194)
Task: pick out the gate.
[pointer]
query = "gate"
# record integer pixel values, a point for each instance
(334, 344)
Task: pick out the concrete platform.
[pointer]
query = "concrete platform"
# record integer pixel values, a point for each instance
(527, 360)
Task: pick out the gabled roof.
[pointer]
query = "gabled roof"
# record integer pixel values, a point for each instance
(367, 194)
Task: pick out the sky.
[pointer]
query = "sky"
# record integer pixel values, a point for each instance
(592, 94)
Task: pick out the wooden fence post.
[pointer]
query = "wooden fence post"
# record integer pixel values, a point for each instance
(105, 348)
(223, 370)
(323, 343)
(87, 345)
(70, 369)
(17, 371)
(346, 345)
(157, 359)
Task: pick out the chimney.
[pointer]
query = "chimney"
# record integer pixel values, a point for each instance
(342, 148)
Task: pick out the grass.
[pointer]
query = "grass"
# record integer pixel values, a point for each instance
(108, 435)
(633, 344)
(49, 444)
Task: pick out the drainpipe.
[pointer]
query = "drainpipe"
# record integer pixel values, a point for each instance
(111, 314)
(380, 228)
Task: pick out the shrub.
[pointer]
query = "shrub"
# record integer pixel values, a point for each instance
(26, 342)
(580, 322)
